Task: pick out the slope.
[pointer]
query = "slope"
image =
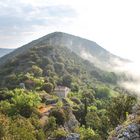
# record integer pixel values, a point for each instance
(55, 62)
(86, 49)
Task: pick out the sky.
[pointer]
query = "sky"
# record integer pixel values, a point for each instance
(113, 24)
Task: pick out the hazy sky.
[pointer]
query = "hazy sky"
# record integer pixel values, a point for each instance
(113, 24)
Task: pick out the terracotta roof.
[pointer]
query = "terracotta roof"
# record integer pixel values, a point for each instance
(45, 109)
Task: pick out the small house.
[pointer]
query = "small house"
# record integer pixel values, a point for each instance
(61, 91)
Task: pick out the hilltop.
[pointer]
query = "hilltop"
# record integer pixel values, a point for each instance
(84, 48)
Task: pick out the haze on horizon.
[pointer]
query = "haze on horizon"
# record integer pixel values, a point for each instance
(112, 24)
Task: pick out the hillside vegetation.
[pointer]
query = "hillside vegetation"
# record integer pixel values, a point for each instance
(30, 109)
(54, 63)
(84, 48)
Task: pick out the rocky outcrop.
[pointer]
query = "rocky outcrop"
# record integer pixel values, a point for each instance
(131, 132)
(71, 122)
(130, 129)
(73, 136)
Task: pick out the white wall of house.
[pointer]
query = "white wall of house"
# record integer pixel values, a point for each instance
(61, 92)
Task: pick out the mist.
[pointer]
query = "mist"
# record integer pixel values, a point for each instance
(131, 70)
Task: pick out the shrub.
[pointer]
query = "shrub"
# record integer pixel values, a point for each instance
(59, 115)
(48, 87)
(60, 133)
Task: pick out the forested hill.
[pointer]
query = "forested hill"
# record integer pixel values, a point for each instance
(55, 62)
(86, 49)
(33, 78)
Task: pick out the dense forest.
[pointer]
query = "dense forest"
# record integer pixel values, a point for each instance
(30, 109)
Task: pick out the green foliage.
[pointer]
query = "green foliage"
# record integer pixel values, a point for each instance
(79, 113)
(111, 77)
(102, 92)
(48, 87)
(74, 87)
(59, 115)
(107, 77)
(51, 124)
(88, 134)
(4, 127)
(59, 68)
(50, 67)
(37, 71)
(5, 107)
(11, 80)
(94, 104)
(67, 80)
(41, 135)
(21, 129)
(45, 61)
(17, 128)
(21, 97)
(32, 82)
(60, 133)
(118, 106)
(4, 94)
(92, 120)
(22, 103)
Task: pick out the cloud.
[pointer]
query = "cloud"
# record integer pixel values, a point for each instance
(112, 24)
(18, 18)
(132, 75)
(132, 86)
(128, 70)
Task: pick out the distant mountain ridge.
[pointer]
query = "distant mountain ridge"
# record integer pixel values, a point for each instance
(86, 49)
(4, 51)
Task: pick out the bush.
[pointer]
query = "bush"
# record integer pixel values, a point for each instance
(37, 71)
(59, 68)
(60, 133)
(23, 102)
(40, 135)
(59, 115)
(118, 106)
(48, 87)
(102, 92)
(87, 134)
(67, 80)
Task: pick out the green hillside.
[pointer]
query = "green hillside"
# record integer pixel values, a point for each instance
(56, 63)
(78, 45)
(30, 109)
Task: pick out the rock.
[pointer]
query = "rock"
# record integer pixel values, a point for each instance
(126, 134)
(130, 132)
(123, 138)
(72, 122)
(120, 135)
(132, 128)
(119, 127)
(73, 136)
